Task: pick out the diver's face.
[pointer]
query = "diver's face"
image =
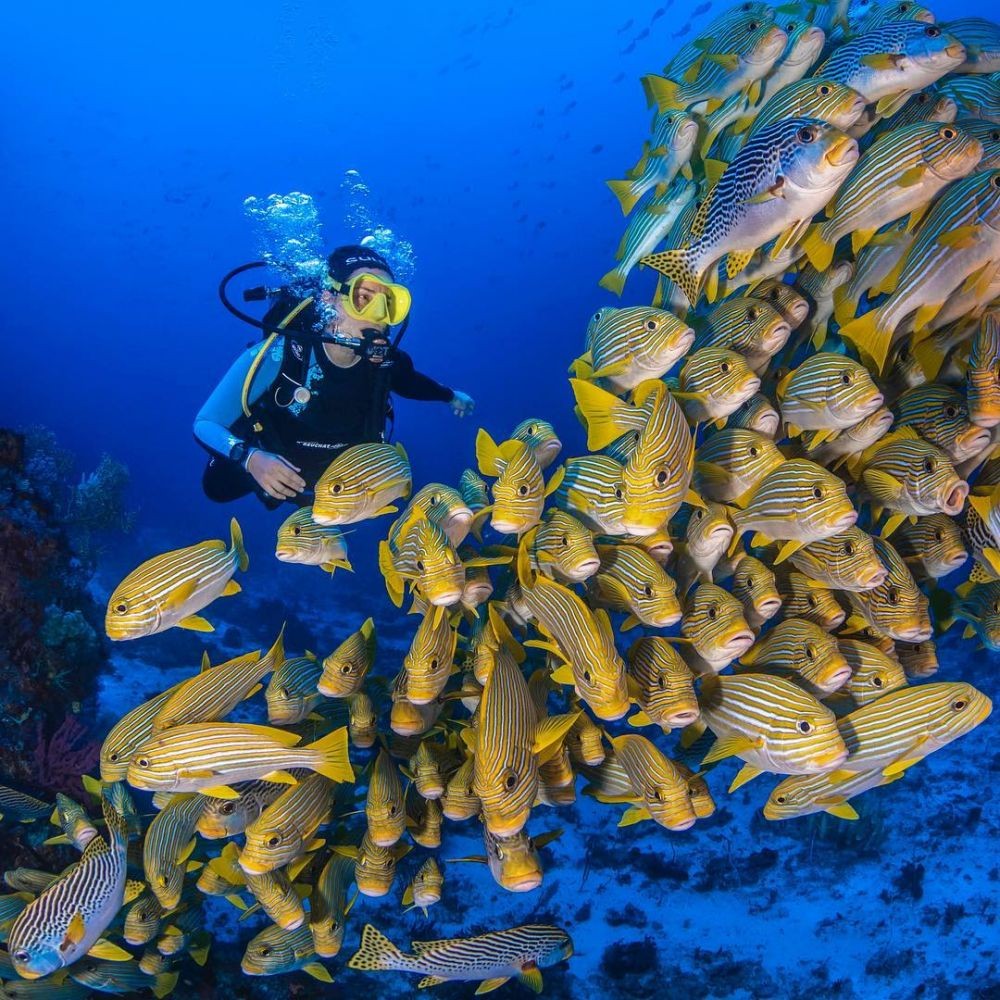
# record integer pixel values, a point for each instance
(341, 321)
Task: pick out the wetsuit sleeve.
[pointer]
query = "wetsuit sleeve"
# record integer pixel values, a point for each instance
(223, 407)
(411, 384)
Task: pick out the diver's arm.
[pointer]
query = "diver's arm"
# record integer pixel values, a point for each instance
(222, 409)
(411, 384)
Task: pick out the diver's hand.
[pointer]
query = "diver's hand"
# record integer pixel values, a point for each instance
(461, 403)
(276, 476)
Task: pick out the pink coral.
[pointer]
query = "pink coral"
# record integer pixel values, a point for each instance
(68, 753)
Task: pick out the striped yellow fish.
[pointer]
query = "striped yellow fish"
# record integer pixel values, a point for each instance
(507, 745)
(940, 415)
(227, 817)
(954, 247)
(732, 461)
(362, 720)
(407, 718)
(278, 898)
(24, 808)
(424, 819)
(748, 326)
(276, 951)
(980, 607)
(460, 801)
(900, 174)
(983, 373)
(425, 888)
(66, 920)
(801, 650)
(582, 639)
(328, 906)
(208, 757)
(170, 589)
(119, 977)
(443, 505)
(594, 491)
(873, 672)
(771, 723)
(798, 503)
(168, 843)
(286, 828)
(291, 693)
(492, 958)
(142, 919)
(541, 437)
(302, 540)
(756, 414)
(216, 691)
(821, 288)
(713, 623)
(661, 684)
(514, 861)
(384, 810)
(813, 97)
(801, 599)
(919, 659)
(896, 607)
(345, 669)
(627, 346)
(788, 300)
(374, 866)
(632, 581)
(852, 441)
(430, 658)
(473, 488)
(361, 483)
(429, 768)
(827, 393)
(845, 561)
(804, 794)
(564, 548)
(707, 537)
(755, 588)
(423, 556)
(72, 818)
(585, 741)
(932, 547)
(714, 383)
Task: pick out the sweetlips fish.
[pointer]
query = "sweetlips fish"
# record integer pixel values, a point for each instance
(707, 537)
(302, 540)
(425, 889)
(443, 505)
(66, 920)
(564, 548)
(291, 693)
(276, 951)
(756, 414)
(980, 608)
(752, 46)
(122, 978)
(647, 228)
(345, 669)
(814, 97)
(787, 299)
(714, 625)
(221, 818)
(169, 842)
(328, 906)
(900, 174)
(593, 490)
(940, 415)
(932, 547)
(71, 817)
(976, 96)
(629, 345)
(754, 586)
(770, 723)
(873, 15)
(805, 794)
(731, 462)
(716, 36)
(801, 650)
(22, 807)
(800, 599)
(430, 658)
(982, 377)
(747, 325)
(170, 589)
(541, 437)
(513, 861)
(384, 812)
(873, 672)
(208, 757)
(675, 134)
(362, 482)
(981, 39)
(631, 580)
(662, 686)
(474, 491)
(660, 791)
(361, 720)
(886, 64)
(854, 440)
(896, 607)
(715, 382)
(423, 556)
(778, 181)
(460, 801)
(278, 897)
(491, 958)
(919, 659)
(956, 244)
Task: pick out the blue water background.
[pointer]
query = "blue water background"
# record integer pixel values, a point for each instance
(131, 134)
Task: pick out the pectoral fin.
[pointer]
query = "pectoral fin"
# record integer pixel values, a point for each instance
(196, 624)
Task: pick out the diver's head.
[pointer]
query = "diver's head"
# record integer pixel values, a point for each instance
(361, 293)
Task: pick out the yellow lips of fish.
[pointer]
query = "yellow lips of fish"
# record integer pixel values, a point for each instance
(519, 490)
(345, 668)
(361, 483)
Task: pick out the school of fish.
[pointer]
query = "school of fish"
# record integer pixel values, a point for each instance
(791, 449)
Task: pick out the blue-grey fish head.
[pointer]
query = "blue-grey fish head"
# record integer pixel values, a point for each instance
(813, 155)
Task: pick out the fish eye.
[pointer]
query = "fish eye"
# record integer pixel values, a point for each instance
(752, 26)
(848, 548)
(748, 583)
(650, 325)
(929, 465)
(932, 31)
(510, 780)
(803, 726)
(959, 704)
(120, 609)
(434, 663)
(724, 367)
(951, 410)
(948, 133)
(877, 681)
(393, 809)
(143, 762)
(499, 851)
(846, 378)
(811, 601)
(661, 682)
(522, 490)
(586, 676)
(939, 535)
(824, 89)
(264, 951)
(810, 653)
(337, 487)
(296, 530)
(780, 799)
(713, 611)
(618, 493)
(532, 429)
(648, 590)
(21, 956)
(283, 692)
(227, 808)
(420, 565)
(818, 492)
(597, 316)
(273, 840)
(754, 451)
(661, 478)
(995, 135)
(699, 514)
(112, 756)
(565, 540)
(996, 181)
(752, 313)
(892, 595)
(791, 26)
(806, 134)
(347, 667)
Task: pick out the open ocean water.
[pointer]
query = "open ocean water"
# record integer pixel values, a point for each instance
(473, 142)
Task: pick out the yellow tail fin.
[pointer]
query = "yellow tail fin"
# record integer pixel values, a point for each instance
(613, 281)
(625, 193)
(605, 415)
(871, 337)
(678, 266)
(236, 534)
(335, 763)
(376, 953)
(818, 250)
(664, 93)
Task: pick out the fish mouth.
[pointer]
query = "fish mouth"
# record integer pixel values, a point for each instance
(915, 633)
(767, 424)
(956, 559)
(776, 338)
(286, 553)
(457, 522)
(506, 826)
(872, 404)
(842, 152)
(739, 643)
(956, 50)
(610, 711)
(584, 570)
(798, 312)
(524, 882)
(506, 527)
(444, 598)
(874, 578)
(972, 442)
(681, 824)
(846, 521)
(831, 758)
(252, 867)
(834, 621)
(768, 607)
(684, 717)
(955, 500)
(837, 679)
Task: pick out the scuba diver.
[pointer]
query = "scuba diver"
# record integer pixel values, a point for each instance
(317, 384)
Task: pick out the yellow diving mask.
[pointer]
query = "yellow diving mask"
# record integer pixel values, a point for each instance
(367, 297)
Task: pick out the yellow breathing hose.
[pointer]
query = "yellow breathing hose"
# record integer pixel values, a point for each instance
(248, 381)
